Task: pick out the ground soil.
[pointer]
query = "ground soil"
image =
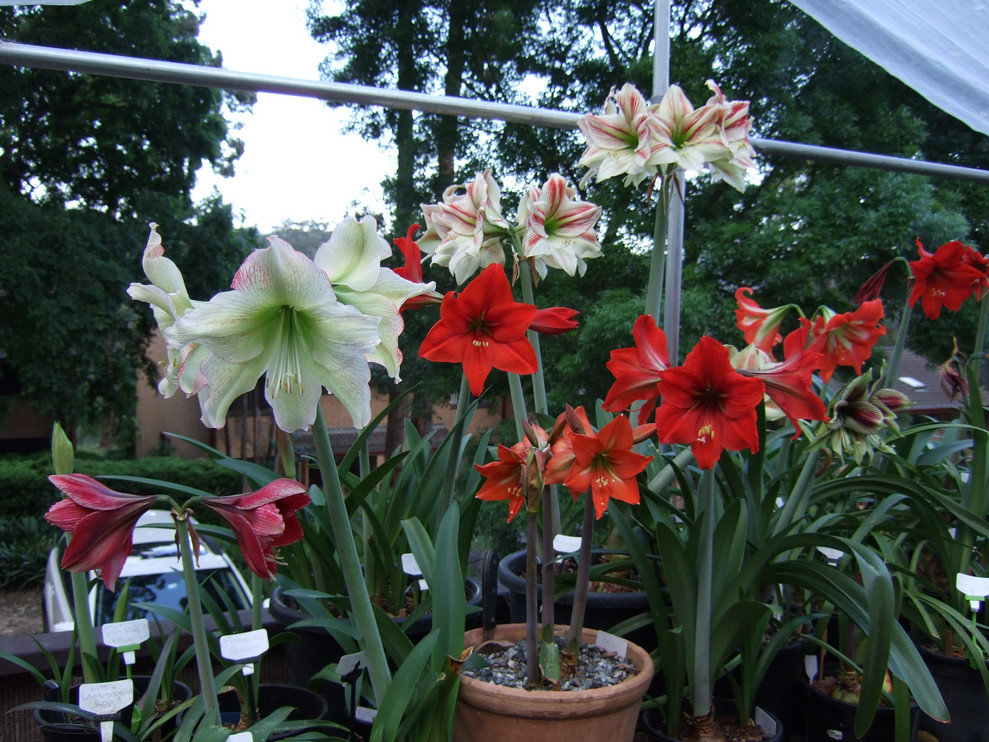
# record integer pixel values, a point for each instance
(21, 612)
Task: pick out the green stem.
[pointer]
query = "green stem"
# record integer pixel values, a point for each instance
(657, 261)
(84, 624)
(200, 640)
(450, 476)
(980, 333)
(360, 602)
(531, 608)
(257, 597)
(893, 367)
(583, 576)
(548, 572)
(518, 404)
(701, 686)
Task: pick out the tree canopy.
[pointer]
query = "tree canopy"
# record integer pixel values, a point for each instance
(86, 162)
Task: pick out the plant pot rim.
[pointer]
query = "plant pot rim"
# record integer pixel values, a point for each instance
(624, 598)
(554, 704)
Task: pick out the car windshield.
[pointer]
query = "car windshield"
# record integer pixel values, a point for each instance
(168, 590)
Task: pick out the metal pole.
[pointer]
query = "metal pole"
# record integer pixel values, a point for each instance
(28, 55)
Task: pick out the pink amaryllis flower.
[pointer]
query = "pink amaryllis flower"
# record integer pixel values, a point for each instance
(621, 139)
(263, 521)
(559, 230)
(637, 370)
(101, 521)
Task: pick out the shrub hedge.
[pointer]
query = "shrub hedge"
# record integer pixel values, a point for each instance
(26, 491)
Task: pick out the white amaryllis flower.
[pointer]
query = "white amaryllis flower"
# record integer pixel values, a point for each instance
(281, 320)
(621, 140)
(352, 260)
(169, 300)
(687, 138)
(559, 231)
(464, 232)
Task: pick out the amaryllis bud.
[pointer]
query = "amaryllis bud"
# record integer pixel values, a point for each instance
(554, 320)
(534, 462)
(953, 381)
(62, 455)
(873, 287)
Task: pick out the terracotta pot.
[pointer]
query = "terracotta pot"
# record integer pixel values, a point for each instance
(492, 713)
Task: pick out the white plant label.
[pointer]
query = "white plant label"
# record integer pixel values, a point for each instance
(810, 667)
(365, 715)
(410, 566)
(350, 663)
(611, 643)
(767, 722)
(566, 544)
(974, 588)
(105, 700)
(832, 555)
(248, 645)
(241, 737)
(126, 636)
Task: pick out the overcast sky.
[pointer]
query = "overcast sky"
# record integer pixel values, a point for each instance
(296, 165)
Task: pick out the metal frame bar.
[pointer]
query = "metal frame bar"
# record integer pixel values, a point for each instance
(67, 60)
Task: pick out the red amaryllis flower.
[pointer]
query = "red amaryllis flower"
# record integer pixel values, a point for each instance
(412, 270)
(943, 278)
(708, 404)
(636, 370)
(846, 339)
(483, 327)
(505, 478)
(788, 384)
(101, 521)
(605, 464)
(980, 262)
(263, 521)
(760, 326)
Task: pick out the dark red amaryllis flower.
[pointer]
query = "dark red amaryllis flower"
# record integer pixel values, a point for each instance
(101, 521)
(412, 270)
(944, 278)
(602, 462)
(263, 520)
(483, 327)
(846, 339)
(636, 370)
(708, 404)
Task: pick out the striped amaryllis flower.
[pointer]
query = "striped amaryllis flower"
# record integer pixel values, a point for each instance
(687, 138)
(559, 230)
(621, 140)
(760, 326)
(101, 522)
(263, 520)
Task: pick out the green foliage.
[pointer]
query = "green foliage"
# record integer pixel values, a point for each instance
(24, 479)
(24, 545)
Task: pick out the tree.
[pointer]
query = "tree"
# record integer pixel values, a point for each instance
(85, 163)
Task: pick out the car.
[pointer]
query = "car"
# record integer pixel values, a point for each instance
(153, 573)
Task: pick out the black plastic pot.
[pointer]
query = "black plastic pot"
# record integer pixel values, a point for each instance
(56, 726)
(725, 708)
(964, 694)
(307, 706)
(830, 720)
(604, 610)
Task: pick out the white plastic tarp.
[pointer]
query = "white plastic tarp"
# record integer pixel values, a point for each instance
(940, 48)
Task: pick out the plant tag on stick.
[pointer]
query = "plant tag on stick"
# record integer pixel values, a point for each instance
(246, 647)
(611, 643)
(241, 737)
(105, 700)
(126, 636)
(350, 665)
(411, 567)
(975, 589)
